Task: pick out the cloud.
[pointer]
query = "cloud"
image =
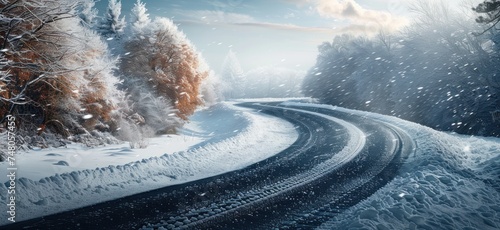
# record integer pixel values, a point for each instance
(362, 21)
(214, 16)
(227, 4)
(224, 18)
(298, 2)
(358, 16)
(358, 29)
(289, 15)
(285, 27)
(349, 9)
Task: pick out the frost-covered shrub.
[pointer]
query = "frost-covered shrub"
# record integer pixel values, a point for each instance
(61, 74)
(162, 64)
(211, 91)
(131, 130)
(211, 86)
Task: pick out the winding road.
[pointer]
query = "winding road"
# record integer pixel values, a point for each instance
(338, 160)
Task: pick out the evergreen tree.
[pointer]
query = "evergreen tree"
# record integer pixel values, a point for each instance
(88, 12)
(491, 17)
(491, 9)
(232, 75)
(140, 17)
(437, 73)
(113, 25)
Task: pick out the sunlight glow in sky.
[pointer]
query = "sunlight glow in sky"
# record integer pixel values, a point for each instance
(282, 33)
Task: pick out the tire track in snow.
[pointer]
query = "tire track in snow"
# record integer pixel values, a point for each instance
(268, 194)
(343, 186)
(338, 160)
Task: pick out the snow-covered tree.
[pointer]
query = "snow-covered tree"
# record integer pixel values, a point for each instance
(273, 81)
(139, 18)
(23, 25)
(232, 77)
(112, 24)
(94, 95)
(88, 12)
(164, 64)
(438, 73)
(210, 88)
(59, 73)
(491, 13)
(211, 92)
(331, 79)
(4, 86)
(490, 17)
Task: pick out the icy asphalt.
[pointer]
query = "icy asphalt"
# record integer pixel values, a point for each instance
(338, 160)
(347, 170)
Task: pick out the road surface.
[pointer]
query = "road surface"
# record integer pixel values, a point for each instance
(338, 160)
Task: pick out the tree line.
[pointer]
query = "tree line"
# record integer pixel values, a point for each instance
(67, 72)
(441, 71)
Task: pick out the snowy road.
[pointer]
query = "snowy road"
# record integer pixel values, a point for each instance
(338, 160)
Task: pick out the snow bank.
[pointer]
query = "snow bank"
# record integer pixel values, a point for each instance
(220, 139)
(451, 182)
(274, 99)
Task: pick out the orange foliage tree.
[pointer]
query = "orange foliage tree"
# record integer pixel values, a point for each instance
(166, 64)
(52, 78)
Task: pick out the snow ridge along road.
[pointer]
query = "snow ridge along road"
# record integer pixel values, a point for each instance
(338, 160)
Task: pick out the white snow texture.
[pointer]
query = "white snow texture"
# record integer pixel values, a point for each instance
(220, 139)
(451, 182)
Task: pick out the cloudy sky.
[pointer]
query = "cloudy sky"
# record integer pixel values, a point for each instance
(282, 33)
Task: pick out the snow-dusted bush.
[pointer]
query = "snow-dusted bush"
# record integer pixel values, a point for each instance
(61, 74)
(134, 133)
(211, 86)
(211, 92)
(164, 65)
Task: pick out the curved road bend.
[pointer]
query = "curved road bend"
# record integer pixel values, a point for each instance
(338, 160)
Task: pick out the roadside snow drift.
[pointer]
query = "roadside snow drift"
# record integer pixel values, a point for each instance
(451, 182)
(217, 140)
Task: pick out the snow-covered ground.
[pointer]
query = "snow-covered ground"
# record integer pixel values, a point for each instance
(451, 182)
(217, 140)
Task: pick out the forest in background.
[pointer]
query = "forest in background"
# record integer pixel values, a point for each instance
(441, 71)
(262, 82)
(70, 73)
